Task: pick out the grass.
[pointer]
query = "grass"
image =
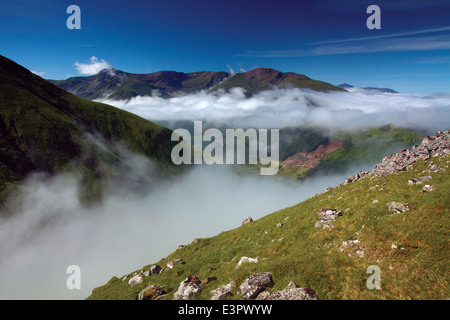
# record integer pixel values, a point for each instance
(311, 257)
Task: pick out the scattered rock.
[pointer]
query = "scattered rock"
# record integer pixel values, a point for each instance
(188, 288)
(375, 201)
(152, 292)
(156, 269)
(328, 214)
(279, 225)
(247, 220)
(427, 188)
(136, 279)
(352, 246)
(173, 263)
(223, 291)
(288, 294)
(324, 224)
(246, 259)
(255, 284)
(419, 180)
(439, 144)
(397, 207)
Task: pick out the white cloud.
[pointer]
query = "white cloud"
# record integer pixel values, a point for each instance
(38, 73)
(231, 69)
(278, 108)
(51, 230)
(93, 67)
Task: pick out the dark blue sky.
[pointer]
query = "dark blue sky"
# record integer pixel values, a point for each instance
(324, 39)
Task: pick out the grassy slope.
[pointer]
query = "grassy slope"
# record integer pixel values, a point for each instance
(368, 146)
(43, 128)
(251, 86)
(417, 269)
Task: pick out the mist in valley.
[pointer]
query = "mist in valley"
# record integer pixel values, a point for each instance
(50, 229)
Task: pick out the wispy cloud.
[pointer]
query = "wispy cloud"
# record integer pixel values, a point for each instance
(383, 43)
(392, 35)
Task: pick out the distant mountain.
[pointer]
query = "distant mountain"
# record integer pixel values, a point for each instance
(347, 86)
(117, 85)
(261, 79)
(46, 129)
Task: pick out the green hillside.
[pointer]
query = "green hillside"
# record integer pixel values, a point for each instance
(45, 129)
(261, 79)
(410, 248)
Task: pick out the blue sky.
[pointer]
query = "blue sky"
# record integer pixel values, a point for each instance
(324, 39)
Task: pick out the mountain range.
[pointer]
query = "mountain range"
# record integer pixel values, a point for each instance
(118, 85)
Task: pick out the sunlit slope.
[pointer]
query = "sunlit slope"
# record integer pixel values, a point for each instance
(410, 248)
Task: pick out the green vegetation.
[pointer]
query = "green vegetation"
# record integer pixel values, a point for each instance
(261, 79)
(411, 248)
(44, 128)
(368, 146)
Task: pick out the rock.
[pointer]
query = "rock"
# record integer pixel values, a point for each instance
(419, 180)
(181, 246)
(256, 283)
(439, 144)
(288, 294)
(136, 279)
(223, 291)
(247, 220)
(156, 269)
(427, 188)
(209, 279)
(151, 292)
(188, 288)
(246, 259)
(173, 263)
(397, 207)
(328, 214)
(324, 224)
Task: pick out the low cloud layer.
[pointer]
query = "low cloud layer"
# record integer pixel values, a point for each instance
(278, 108)
(92, 67)
(52, 230)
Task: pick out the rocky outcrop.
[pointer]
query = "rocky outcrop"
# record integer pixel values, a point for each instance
(136, 279)
(419, 180)
(291, 292)
(255, 284)
(223, 291)
(173, 263)
(156, 269)
(438, 144)
(326, 215)
(152, 292)
(190, 287)
(247, 220)
(397, 207)
(427, 188)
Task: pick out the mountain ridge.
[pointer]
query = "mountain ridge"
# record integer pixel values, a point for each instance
(115, 84)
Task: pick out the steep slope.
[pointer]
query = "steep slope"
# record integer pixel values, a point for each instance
(386, 219)
(44, 129)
